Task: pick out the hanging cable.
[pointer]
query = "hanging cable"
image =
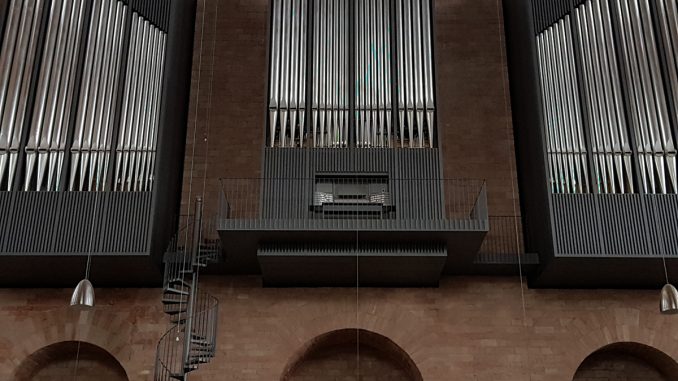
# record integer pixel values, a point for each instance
(512, 165)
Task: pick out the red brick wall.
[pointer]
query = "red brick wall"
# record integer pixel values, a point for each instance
(66, 362)
(468, 329)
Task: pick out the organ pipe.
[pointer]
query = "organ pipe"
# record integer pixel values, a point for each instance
(372, 70)
(17, 58)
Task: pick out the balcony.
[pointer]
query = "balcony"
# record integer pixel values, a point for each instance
(294, 230)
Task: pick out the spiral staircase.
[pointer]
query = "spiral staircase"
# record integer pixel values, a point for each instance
(193, 313)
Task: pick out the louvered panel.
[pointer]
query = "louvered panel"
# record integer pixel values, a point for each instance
(75, 222)
(576, 225)
(665, 209)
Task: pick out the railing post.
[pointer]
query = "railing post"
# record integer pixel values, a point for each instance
(194, 258)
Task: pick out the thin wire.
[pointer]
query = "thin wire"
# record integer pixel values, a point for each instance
(511, 162)
(91, 235)
(357, 302)
(77, 358)
(666, 273)
(209, 101)
(195, 118)
(195, 129)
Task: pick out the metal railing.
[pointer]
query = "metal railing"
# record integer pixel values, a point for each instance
(352, 198)
(504, 243)
(170, 361)
(191, 340)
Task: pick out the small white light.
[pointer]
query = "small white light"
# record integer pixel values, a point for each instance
(669, 301)
(83, 295)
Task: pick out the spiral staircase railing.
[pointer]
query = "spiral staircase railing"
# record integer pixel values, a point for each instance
(191, 340)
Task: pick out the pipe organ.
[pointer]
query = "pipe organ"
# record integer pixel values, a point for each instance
(18, 55)
(367, 67)
(609, 83)
(80, 94)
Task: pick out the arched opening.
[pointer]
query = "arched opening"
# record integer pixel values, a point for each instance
(66, 361)
(627, 362)
(351, 354)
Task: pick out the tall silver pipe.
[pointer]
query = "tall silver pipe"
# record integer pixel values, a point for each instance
(302, 70)
(637, 115)
(285, 67)
(15, 21)
(563, 107)
(112, 91)
(156, 112)
(573, 86)
(322, 106)
(57, 94)
(591, 88)
(38, 128)
(275, 71)
(142, 99)
(401, 70)
(387, 72)
(128, 102)
(148, 116)
(64, 115)
(546, 96)
(418, 72)
(571, 128)
(668, 16)
(294, 64)
(409, 75)
(557, 110)
(315, 103)
(428, 70)
(663, 125)
(87, 79)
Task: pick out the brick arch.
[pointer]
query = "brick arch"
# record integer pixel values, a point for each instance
(594, 330)
(384, 346)
(633, 360)
(58, 361)
(99, 327)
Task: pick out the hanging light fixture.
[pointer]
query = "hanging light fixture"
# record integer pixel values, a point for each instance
(669, 295)
(83, 295)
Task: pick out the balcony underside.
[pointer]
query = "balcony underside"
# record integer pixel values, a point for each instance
(50, 270)
(45, 238)
(610, 241)
(458, 241)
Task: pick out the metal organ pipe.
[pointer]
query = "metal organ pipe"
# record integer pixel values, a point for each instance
(566, 150)
(668, 21)
(16, 64)
(607, 60)
(329, 112)
(139, 123)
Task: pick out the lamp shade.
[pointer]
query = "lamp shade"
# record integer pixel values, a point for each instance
(83, 295)
(669, 302)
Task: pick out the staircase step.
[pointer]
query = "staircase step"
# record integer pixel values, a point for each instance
(172, 301)
(179, 281)
(178, 376)
(199, 360)
(177, 291)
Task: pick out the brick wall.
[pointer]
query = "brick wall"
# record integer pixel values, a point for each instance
(66, 361)
(468, 329)
(229, 96)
